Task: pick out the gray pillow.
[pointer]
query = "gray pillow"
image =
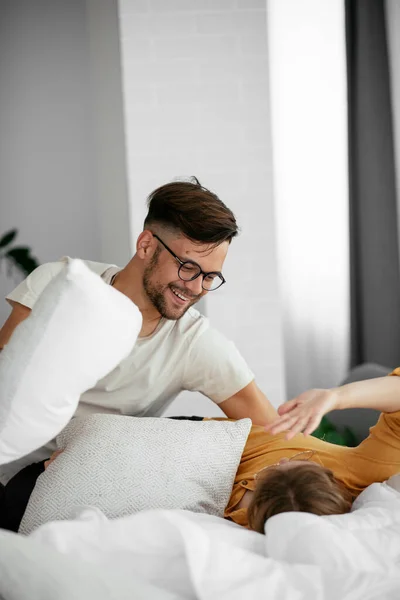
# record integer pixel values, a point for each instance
(122, 465)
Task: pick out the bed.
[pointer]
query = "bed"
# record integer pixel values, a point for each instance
(160, 554)
(163, 554)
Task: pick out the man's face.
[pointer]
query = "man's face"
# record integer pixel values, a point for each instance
(168, 293)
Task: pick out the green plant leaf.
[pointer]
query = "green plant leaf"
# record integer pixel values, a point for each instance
(350, 437)
(8, 237)
(327, 424)
(323, 428)
(319, 432)
(334, 437)
(328, 432)
(18, 252)
(21, 257)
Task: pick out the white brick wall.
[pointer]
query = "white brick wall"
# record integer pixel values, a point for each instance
(195, 76)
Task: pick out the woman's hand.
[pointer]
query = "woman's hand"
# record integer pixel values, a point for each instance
(303, 413)
(52, 457)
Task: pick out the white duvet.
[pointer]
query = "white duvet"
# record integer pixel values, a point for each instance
(177, 554)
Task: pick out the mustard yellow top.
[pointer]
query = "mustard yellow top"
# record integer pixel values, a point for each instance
(375, 459)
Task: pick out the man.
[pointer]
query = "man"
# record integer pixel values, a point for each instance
(179, 259)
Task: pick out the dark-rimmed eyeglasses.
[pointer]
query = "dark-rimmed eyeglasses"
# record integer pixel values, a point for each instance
(190, 270)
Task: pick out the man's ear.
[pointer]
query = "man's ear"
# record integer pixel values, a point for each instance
(145, 244)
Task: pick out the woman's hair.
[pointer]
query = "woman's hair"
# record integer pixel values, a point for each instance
(305, 488)
(194, 211)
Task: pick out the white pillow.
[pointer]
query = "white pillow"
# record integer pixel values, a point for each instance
(122, 465)
(79, 330)
(35, 570)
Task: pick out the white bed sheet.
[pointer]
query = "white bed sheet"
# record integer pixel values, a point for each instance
(187, 555)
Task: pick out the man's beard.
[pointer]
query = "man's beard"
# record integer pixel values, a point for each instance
(156, 293)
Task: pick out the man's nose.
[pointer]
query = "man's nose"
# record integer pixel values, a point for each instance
(195, 286)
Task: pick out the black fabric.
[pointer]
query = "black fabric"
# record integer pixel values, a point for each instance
(15, 495)
(187, 418)
(374, 253)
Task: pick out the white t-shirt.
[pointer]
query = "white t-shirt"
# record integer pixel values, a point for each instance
(186, 354)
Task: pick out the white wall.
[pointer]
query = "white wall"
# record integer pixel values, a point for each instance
(309, 116)
(110, 176)
(195, 76)
(62, 163)
(46, 171)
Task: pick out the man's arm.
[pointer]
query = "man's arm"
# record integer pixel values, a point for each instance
(249, 402)
(19, 313)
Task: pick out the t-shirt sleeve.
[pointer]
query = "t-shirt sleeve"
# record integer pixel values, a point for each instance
(387, 428)
(29, 290)
(395, 372)
(215, 367)
(378, 456)
(387, 431)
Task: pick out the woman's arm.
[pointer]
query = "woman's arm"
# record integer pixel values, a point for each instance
(304, 413)
(382, 393)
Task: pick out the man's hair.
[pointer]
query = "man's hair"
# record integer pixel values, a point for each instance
(194, 211)
(305, 488)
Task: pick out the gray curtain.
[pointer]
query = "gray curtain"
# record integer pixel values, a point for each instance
(374, 254)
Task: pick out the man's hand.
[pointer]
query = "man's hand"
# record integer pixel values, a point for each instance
(303, 413)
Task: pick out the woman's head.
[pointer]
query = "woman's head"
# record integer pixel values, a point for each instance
(296, 486)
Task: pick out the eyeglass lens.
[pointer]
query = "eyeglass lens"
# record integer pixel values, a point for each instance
(189, 271)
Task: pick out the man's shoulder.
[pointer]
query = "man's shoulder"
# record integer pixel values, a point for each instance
(105, 270)
(28, 291)
(54, 267)
(97, 267)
